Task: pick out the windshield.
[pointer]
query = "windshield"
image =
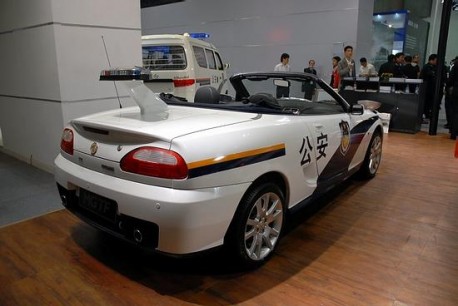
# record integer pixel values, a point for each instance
(295, 92)
(281, 87)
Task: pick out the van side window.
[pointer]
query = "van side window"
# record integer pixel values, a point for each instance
(199, 53)
(210, 59)
(164, 57)
(219, 62)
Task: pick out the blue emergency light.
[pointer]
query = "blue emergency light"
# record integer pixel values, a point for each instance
(199, 35)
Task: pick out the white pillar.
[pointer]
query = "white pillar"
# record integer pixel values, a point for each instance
(51, 54)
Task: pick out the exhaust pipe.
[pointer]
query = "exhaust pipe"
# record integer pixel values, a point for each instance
(138, 236)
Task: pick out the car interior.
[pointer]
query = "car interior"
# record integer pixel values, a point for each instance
(261, 95)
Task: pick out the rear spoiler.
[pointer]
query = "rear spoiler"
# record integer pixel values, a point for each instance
(125, 74)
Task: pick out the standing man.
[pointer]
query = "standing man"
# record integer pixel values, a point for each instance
(398, 71)
(311, 67)
(399, 61)
(284, 63)
(388, 66)
(410, 72)
(283, 66)
(309, 86)
(429, 75)
(346, 66)
(416, 63)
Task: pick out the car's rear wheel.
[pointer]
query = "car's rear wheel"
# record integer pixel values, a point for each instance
(258, 224)
(373, 157)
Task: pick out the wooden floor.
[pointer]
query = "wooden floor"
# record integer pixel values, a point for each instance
(390, 241)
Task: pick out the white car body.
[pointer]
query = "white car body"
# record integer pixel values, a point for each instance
(226, 152)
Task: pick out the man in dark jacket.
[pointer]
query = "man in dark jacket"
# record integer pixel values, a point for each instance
(411, 72)
(387, 67)
(309, 86)
(398, 70)
(428, 74)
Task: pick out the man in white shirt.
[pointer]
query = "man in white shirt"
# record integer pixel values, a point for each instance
(284, 63)
(283, 66)
(366, 69)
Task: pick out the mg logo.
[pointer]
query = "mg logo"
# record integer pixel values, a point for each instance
(93, 148)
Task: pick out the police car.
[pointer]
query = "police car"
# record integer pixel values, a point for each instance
(180, 178)
(180, 64)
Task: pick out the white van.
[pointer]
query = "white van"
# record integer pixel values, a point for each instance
(181, 64)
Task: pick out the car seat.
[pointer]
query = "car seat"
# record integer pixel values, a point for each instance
(207, 94)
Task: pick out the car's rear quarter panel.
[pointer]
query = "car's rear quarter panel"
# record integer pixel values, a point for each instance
(244, 139)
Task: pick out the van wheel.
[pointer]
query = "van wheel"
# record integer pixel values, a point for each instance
(258, 225)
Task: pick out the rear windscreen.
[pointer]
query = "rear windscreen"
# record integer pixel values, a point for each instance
(164, 57)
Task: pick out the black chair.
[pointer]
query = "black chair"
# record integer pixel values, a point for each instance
(207, 94)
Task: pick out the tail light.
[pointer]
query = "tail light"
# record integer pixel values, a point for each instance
(66, 142)
(183, 82)
(156, 162)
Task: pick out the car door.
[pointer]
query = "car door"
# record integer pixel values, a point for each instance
(331, 141)
(331, 129)
(222, 74)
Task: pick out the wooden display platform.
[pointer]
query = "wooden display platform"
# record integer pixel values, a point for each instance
(389, 241)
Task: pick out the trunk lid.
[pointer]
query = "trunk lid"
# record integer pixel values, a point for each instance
(119, 131)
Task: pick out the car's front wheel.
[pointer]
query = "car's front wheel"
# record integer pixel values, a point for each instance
(258, 224)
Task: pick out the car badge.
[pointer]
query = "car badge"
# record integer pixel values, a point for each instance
(345, 142)
(93, 148)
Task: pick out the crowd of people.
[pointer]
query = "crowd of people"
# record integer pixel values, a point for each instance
(397, 65)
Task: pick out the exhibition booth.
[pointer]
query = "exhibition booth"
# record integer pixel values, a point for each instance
(402, 98)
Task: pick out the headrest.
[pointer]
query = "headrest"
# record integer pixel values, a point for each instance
(207, 94)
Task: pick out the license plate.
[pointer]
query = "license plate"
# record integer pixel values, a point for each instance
(102, 207)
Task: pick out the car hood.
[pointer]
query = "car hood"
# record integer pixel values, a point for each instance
(176, 121)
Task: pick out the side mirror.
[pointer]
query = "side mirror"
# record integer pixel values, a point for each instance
(227, 66)
(356, 109)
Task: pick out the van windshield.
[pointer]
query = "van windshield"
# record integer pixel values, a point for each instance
(164, 57)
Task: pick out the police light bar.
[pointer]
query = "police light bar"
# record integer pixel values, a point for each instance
(124, 74)
(199, 35)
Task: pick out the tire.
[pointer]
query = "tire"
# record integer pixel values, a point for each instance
(373, 157)
(258, 225)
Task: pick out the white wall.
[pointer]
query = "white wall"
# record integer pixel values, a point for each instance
(252, 34)
(51, 56)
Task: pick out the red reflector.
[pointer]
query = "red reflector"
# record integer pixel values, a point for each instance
(66, 142)
(183, 82)
(156, 162)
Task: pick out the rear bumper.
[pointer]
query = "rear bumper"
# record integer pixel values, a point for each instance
(172, 221)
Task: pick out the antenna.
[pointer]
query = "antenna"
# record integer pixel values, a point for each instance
(109, 64)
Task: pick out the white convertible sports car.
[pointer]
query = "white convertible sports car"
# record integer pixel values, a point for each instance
(180, 177)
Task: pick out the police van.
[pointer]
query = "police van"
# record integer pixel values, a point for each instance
(180, 64)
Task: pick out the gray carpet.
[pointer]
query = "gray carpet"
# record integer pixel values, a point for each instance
(25, 191)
